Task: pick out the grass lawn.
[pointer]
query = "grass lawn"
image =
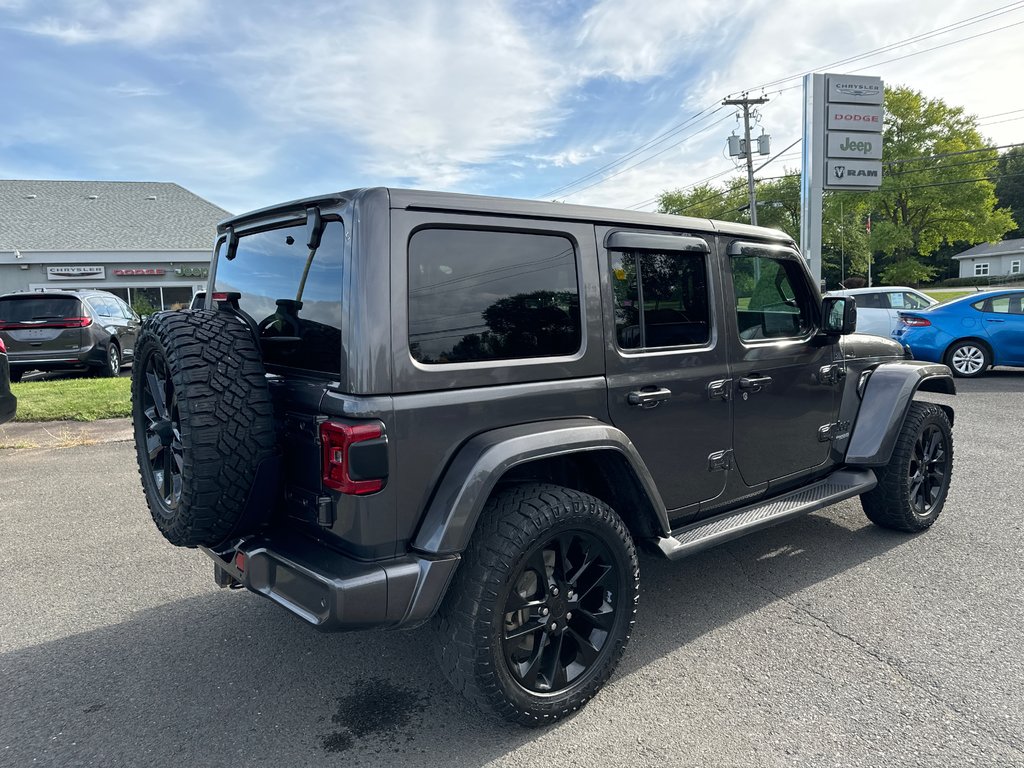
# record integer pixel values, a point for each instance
(73, 399)
(950, 293)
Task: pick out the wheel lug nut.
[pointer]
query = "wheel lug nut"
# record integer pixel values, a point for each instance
(568, 615)
(554, 625)
(544, 611)
(554, 591)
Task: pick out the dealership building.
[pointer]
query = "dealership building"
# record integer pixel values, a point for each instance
(147, 242)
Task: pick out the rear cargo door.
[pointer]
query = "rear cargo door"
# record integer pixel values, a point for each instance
(42, 327)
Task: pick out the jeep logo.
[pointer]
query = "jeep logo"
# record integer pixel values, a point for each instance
(864, 147)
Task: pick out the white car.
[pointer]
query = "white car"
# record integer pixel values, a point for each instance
(878, 308)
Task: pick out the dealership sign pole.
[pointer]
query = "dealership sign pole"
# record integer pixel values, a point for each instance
(842, 147)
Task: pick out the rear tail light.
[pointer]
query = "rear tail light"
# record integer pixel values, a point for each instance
(354, 457)
(915, 322)
(67, 322)
(2, 347)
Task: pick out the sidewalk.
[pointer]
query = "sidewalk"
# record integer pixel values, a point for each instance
(64, 434)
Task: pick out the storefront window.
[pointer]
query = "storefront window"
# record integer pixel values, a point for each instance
(146, 301)
(176, 297)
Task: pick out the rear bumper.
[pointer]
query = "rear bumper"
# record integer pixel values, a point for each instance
(331, 591)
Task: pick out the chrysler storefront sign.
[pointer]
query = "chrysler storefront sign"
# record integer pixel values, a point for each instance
(852, 89)
(76, 273)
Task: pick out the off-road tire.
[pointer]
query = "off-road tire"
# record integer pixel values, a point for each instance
(963, 357)
(469, 626)
(891, 504)
(219, 423)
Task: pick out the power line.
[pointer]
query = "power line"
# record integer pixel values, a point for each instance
(650, 143)
(999, 11)
(651, 157)
(675, 130)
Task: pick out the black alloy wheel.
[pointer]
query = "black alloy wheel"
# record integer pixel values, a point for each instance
(559, 612)
(162, 431)
(929, 466)
(912, 487)
(542, 605)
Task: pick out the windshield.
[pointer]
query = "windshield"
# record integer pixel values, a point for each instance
(20, 309)
(267, 271)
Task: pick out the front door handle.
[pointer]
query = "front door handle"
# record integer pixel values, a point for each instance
(755, 383)
(648, 398)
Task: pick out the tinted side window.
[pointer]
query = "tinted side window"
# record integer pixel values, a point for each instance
(871, 301)
(1002, 305)
(661, 299)
(99, 307)
(771, 298)
(485, 295)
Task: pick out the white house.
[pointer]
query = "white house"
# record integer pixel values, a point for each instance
(993, 259)
(144, 241)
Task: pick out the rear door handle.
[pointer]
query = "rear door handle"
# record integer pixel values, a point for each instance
(755, 383)
(993, 320)
(648, 398)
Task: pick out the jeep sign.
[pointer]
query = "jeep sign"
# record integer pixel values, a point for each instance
(856, 145)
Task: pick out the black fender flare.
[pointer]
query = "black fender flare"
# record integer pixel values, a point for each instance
(455, 507)
(884, 405)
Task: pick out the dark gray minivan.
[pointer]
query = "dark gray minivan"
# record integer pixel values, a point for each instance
(67, 330)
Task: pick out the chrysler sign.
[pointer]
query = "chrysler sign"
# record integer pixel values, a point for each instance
(75, 273)
(851, 89)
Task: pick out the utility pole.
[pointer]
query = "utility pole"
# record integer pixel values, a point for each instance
(746, 103)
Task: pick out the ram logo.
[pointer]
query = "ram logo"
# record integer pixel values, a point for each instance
(839, 171)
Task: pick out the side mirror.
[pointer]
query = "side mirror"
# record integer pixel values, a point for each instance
(838, 315)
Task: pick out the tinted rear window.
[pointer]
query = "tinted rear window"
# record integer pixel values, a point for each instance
(477, 295)
(267, 270)
(19, 309)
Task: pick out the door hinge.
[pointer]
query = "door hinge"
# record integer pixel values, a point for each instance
(720, 461)
(837, 430)
(719, 390)
(832, 373)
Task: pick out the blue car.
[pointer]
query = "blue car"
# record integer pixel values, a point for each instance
(969, 334)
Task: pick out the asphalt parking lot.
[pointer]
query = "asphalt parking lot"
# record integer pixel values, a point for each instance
(822, 642)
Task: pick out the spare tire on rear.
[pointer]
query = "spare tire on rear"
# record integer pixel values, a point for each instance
(204, 426)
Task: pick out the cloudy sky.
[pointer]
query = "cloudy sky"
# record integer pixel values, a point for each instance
(607, 102)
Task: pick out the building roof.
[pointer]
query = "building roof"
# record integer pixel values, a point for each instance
(104, 216)
(1004, 248)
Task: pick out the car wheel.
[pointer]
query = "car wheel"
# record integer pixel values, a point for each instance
(113, 364)
(968, 358)
(912, 487)
(204, 425)
(542, 606)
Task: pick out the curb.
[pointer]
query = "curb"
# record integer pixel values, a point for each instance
(64, 434)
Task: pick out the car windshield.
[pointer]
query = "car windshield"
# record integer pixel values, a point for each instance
(21, 309)
(267, 270)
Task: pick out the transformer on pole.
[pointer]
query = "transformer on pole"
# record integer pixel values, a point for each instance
(744, 148)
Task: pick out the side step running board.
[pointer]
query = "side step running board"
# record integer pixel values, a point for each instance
(693, 538)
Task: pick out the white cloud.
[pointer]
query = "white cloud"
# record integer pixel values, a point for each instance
(133, 22)
(427, 93)
(640, 39)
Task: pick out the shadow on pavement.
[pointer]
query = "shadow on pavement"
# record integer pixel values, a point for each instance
(229, 678)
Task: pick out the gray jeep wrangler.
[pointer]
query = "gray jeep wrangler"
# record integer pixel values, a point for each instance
(401, 406)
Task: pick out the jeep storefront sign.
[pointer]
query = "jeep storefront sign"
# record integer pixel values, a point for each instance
(854, 145)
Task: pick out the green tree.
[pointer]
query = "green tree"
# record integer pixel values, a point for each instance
(706, 201)
(925, 202)
(1010, 188)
